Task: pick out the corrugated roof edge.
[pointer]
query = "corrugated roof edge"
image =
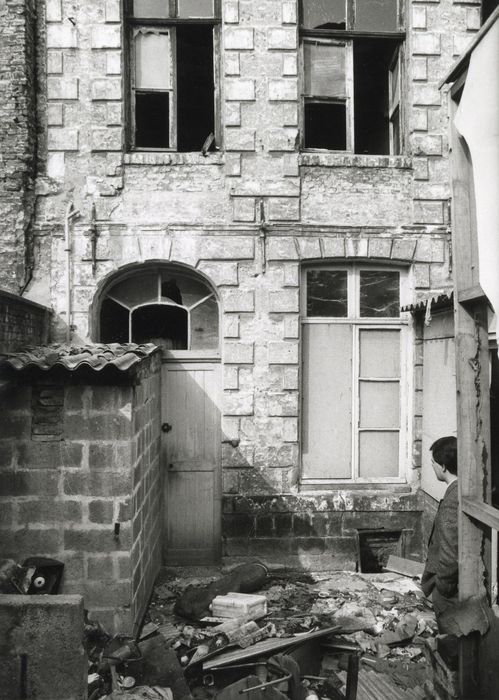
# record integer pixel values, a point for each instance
(442, 301)
(97, 357)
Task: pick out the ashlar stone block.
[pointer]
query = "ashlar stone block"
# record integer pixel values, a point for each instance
(62, 139)
(282, 38)
(53, 10)
(427, 44)
(55, 114)
(239, 39)
(289, 12)
(233, 114)
(61, 36)
(239, 301)
(106, 37)
(231, 12)
(286, 300)
(55, 64)
(62, 88)
(283, 89)
(240, 139)
(283, 353)
(289, 64)
(239, 90)
(106, 89)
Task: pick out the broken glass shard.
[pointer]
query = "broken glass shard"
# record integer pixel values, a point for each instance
(324, 14)
(379, 293)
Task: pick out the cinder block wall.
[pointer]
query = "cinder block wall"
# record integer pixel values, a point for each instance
(17, 139)
(73, 472)
(41, 648)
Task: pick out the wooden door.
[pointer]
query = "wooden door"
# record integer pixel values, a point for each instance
(191, 462)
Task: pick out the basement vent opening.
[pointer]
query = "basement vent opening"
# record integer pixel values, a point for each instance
(375, 546)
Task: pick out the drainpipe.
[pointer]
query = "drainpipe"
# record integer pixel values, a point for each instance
(71, 213)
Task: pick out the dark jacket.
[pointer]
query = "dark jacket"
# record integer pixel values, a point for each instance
(441, 569)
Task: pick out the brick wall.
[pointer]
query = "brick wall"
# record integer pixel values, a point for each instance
(70, 454)
(17, 138)
(22, 322)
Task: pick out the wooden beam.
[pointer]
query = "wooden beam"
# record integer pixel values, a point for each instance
(488, 515)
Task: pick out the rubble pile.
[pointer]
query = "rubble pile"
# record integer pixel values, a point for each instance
(295, 637)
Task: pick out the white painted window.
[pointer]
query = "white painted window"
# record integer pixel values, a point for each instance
(351, 75)
(172, 73)
(354, 382)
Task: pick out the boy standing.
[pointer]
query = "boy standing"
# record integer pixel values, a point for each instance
(440, 577)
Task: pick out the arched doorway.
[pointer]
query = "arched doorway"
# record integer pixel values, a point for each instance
(176, 308)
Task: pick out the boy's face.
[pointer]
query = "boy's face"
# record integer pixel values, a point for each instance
(438, 469)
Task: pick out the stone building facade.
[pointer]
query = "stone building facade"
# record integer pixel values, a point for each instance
(283, 193)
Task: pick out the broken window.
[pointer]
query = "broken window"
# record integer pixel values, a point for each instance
(172, 73)
(353, 374)
(351, 75)
(165, 307)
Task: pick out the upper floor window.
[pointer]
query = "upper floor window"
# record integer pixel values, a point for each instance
(172, 73)
(351, 75)
(354, 374)
(168, 307)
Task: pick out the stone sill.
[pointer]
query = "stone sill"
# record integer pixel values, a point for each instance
(346, 487)
(172, 158)
(351, 160)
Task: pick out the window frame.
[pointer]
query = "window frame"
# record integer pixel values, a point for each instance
(133, 25)
(358, 323)
(348, 35)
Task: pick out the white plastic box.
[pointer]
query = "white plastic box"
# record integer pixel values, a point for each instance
(239, 605)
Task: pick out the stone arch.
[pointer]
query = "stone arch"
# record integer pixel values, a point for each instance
(170, 304)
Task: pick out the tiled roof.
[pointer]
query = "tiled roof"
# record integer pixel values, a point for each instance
(72, 357)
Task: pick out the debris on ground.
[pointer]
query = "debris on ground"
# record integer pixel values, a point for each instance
(298, 637)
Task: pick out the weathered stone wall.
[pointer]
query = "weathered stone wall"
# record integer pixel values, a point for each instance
(75, 465)
(22, 322)
(249, 215)
(41, 647)
(17, 139)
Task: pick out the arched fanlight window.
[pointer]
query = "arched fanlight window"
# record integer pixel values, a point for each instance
(165, 307)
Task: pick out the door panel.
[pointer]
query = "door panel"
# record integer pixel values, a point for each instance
(191, 461)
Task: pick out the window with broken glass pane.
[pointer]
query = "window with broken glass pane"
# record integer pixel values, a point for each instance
(168, 308)
(355, 105)
(172, 73)
(353, 374)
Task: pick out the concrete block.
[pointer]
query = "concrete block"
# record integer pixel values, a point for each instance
(239, 90)
(231, 12)
(289, 12)
(428, 212)
(231, 326)
(237, 301)
(419, 68)
(54, 664)
(106, 37)
(62, 88)
(61, 36)
(109, 139)
(53, 10)
(289, 64)
(244, 209)
(282, 38)
(426, 44)
(284, 209)
(112, 11)
(419, 17)
(232, 114)
(426, 95)
(62, 139)
(54, 62)
(283, 353)
(284, 301)
(238, 403)
(238, 353)
(55, 114)
(232, 64)
(240, 139)
(333, 247)
(427, 145)
(106, 89)
(282, 248)
(380, 248)
(239, 39)
(283, 89)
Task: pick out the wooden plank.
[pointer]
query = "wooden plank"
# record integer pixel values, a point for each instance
(408, 567)
(484, 513)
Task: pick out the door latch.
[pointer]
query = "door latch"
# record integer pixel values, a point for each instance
(166, 427)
